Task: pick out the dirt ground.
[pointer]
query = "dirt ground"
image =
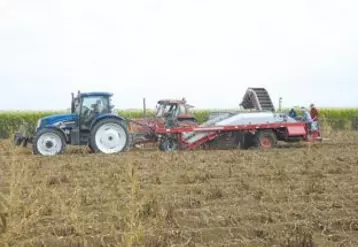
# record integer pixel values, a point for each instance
(296, 195)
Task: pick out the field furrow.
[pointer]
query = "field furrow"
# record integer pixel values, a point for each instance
(292, 196)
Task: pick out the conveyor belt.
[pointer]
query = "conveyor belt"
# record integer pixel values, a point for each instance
(257, 98)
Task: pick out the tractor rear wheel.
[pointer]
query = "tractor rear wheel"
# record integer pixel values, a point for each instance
(49, 142)
(266, 139)
(109, 136)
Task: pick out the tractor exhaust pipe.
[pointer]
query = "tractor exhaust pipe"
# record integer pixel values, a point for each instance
(144, 108)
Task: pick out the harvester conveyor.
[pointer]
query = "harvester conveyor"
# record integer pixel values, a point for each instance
(256, 129)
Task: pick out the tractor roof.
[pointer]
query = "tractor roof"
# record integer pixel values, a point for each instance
(174, 101)
(171, 101)
(90, 94)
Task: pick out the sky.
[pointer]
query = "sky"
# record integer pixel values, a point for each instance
(207, 51)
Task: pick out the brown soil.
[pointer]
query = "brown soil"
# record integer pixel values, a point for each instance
(296, 195)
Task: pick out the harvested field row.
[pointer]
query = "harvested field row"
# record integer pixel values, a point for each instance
(304, 195)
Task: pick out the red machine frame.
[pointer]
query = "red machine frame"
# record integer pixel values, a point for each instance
(299, 129)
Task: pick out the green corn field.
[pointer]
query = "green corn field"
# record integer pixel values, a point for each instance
(337, 118)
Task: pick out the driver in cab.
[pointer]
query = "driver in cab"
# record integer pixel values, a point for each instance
(99, 107)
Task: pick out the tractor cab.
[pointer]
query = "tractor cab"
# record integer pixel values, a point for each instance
(87, 106)
(99, 102)
(176, 109)
(168, 113)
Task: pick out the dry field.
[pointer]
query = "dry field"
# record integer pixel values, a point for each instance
(300, 195)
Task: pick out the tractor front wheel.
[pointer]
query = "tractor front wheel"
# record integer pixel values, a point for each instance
(109, 136)
(49, 142)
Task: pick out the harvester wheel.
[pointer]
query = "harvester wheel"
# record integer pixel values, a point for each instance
(49, 142)
(168, 145)
(266, 139)
(109, 136)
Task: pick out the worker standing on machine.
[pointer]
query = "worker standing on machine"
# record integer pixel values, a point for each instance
(314, 115)
(311, 125)
(306, 117)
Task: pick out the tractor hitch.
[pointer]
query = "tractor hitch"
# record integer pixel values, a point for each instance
(21, 140)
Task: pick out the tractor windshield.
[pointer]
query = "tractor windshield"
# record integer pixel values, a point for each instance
(163, 109)
(96, 104)
(182, 109)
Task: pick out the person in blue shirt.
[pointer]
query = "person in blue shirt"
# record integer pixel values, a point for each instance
(306, 117)
(292, 113)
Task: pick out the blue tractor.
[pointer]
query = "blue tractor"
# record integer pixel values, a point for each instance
(91, 122)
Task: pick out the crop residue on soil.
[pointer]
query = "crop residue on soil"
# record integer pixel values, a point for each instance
(301, 196)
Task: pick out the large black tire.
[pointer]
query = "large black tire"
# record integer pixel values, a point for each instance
(265, 139)
(114, 122)
(168, 145)
(48, 131)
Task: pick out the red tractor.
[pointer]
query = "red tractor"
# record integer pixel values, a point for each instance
(169, 113)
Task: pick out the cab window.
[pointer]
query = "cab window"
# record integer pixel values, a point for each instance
(182, 109)
(95, 104)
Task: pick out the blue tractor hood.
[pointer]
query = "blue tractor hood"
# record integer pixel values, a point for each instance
(53, 119)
